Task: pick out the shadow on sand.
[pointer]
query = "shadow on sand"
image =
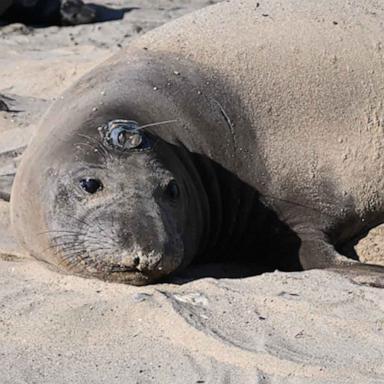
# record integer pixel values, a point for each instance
(104, 13)
(47, 13)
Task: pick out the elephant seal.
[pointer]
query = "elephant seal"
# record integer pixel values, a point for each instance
(244, 129)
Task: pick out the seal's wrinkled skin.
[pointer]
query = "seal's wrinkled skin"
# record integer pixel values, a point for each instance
(242, 129)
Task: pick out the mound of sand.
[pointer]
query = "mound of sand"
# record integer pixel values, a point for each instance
(313, 327)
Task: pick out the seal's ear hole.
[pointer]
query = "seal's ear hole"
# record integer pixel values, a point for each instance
(172, 190)
(91, 185)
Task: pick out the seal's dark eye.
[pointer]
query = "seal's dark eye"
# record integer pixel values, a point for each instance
(172, 190)
(91, 185)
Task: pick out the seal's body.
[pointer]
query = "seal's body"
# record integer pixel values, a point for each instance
(262, 127)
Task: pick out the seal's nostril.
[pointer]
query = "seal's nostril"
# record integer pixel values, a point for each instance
(91, 185)
(136, 261)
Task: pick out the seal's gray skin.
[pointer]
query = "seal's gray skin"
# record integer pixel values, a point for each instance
(276, 145)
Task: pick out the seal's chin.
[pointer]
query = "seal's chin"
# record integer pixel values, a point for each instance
(134, 268)
(120, 274)
(130, 277)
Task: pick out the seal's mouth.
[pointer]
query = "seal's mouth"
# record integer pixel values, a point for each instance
(123, 268)
(137, 273)
(138, 264)
(131, 256)
(120, 273)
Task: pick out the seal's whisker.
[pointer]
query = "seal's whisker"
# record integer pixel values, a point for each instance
(67, 237)
(156, 124)
(83, 221)
(74, 253)
(113, 225)
(92, 147)
(60, 246)
(63, 244)
(112, 228)
(75, 235)
(81, 244)
(84, 258)
(95, 149)
(100, 249)
(89, 241)
(84, 235)
(99, 143)
(67, 252)
(64, 254)
(57, 231)
(70, 263)
(99, 225)
(103, 233)
(105, 149)
(73, 248)
(125, 242)
(98, 242)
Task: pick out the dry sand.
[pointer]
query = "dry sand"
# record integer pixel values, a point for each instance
(312, 327)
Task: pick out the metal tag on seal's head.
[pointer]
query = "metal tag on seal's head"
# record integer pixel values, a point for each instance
(123, 135)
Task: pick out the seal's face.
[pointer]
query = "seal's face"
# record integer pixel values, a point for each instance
(118, 206)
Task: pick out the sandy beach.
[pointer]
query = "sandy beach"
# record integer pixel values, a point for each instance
(303, 327)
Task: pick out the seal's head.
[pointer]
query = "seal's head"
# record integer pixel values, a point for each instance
(118, 203)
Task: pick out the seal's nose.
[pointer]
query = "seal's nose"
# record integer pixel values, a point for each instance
(127, 263)
(139, 261)
(130, 260)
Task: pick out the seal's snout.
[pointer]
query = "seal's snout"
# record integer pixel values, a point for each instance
(137, 261)
(129, 263)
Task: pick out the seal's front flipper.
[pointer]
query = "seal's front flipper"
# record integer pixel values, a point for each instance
(363, 274)
(316, 252)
